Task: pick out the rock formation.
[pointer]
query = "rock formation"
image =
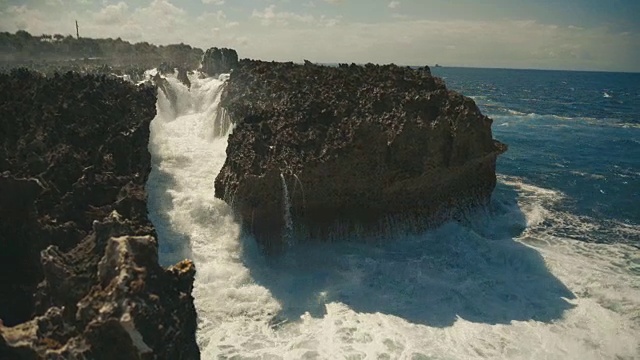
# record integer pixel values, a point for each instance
(108, 299)
(183, 77)
(350, 149)
(78, 256)
(219, 61)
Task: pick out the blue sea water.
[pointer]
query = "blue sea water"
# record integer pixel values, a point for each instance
(574, 132)
(550, 270)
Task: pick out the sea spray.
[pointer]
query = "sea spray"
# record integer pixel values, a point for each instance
(482, 290)
(221, 123)
(288, 221)
(304, 201)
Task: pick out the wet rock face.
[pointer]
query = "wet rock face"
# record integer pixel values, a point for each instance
(353, 147)
(73, 164)
(219, 61)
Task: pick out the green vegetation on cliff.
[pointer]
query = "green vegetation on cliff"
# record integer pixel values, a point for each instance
(22, 49)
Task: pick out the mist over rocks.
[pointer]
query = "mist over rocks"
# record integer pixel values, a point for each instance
(74, 161)
(51, 53)
(355, 148)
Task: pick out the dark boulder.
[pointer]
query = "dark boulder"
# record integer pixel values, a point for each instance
(329, 151)
(219, 61)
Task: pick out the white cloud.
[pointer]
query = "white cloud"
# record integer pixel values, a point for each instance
(54, 2)
(335, 1)
(399, 16)
(212, 17)
(450, 42)
(394, 4)
(112, 14)
(297, 36)
(162, 10)
(17, 10)
(269, 16)
(213, 2)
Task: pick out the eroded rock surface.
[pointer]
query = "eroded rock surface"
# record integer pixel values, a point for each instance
(78, 255)
(350, 149)
(109, 299)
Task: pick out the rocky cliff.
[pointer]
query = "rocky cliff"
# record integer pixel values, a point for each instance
(217, 61)
(79, 276)
(319, 152)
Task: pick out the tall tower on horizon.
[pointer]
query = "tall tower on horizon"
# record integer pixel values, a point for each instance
(77, 31)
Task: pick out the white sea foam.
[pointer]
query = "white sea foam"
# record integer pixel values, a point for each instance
(504, 285)
(286, 213)
(511, 115)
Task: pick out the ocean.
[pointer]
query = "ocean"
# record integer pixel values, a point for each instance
(574, 132)
(550, 270)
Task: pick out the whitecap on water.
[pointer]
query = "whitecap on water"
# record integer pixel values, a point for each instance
(502, 284)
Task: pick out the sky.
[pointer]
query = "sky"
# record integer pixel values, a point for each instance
(540, 34)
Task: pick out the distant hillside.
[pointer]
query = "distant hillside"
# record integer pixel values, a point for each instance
(24, 49)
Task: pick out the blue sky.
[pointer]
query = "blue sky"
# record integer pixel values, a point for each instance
(547, 34)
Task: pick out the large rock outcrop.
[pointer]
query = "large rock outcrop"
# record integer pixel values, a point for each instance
(219, 61)
(74, 163)
(330, 151)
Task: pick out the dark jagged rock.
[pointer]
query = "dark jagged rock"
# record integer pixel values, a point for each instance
(171, 69)
(73, 152)
(18, 250)
(109, 299)
(183, 77)
(17, 196)
(219, 61)
(84, 138)
(356, 146)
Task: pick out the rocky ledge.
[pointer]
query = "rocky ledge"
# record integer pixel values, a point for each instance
(321, 152)
(79, 273)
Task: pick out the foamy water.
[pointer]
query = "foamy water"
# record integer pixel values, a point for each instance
(504, 285)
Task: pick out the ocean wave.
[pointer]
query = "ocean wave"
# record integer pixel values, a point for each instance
(588, 175)
(545, 217)
(504, 275)
(506, 114)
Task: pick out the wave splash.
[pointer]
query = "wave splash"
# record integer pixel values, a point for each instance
(500, 284)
